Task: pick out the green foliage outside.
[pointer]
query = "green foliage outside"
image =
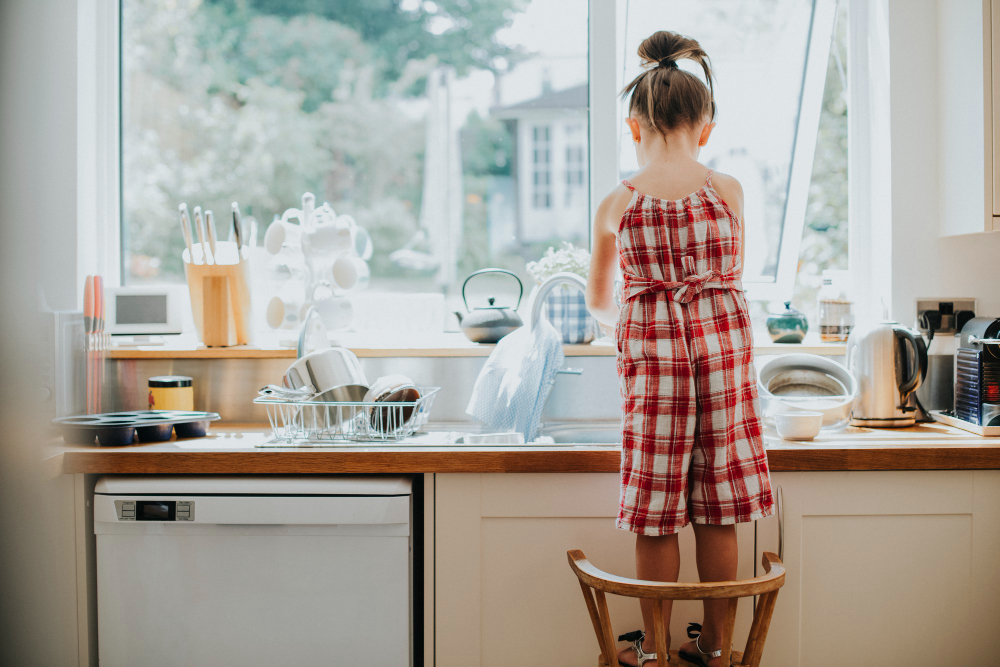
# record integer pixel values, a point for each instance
(262, 100)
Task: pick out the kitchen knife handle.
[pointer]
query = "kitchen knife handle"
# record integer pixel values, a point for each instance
(99, 305)
(199, 227)
(88, 304)
(210, 229)
(237, 228)
(186, 232)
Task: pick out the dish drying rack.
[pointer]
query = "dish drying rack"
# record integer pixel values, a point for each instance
(299, 422)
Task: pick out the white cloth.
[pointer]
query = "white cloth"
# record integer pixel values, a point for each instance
(511, 390)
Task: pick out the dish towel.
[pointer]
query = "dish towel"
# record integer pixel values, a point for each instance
(511, 390)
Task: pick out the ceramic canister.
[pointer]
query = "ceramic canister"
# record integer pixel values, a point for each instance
(789, 326)
(171, 392)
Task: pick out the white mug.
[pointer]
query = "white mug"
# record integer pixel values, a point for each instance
(280, 232)
(285, 312)
(350, 272)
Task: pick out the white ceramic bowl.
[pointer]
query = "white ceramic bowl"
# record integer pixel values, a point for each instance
(807, 383)
(798, 425)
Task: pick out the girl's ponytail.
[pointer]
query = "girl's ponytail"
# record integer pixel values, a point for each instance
(665, 96)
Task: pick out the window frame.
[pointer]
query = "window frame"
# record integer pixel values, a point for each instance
(541, 166)
(604, 148)
(99, 159)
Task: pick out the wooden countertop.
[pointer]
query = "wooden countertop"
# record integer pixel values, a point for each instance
(234, 450)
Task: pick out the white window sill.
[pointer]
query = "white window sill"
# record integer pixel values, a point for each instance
(366, 345)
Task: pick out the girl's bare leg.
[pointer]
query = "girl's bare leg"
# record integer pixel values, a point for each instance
(717, 556)
(656, 559)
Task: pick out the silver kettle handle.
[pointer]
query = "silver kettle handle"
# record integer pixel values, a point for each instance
(918, 364)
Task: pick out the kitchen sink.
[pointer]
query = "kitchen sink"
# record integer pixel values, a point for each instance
(586, 433)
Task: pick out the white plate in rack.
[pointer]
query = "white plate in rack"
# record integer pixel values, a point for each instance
(951, 420)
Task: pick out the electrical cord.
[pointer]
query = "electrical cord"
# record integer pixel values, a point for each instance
(931, 321)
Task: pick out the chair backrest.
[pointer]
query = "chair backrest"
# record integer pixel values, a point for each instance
(596, 583)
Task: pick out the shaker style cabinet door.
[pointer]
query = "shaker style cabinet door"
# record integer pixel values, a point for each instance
(504, 592)
(895, 568)
(991, 49)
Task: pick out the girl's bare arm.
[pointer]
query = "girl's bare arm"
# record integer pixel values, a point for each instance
(600, 284)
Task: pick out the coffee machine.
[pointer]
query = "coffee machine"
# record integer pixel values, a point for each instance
(977, 373)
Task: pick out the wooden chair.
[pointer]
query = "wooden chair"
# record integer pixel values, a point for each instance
(595, 583)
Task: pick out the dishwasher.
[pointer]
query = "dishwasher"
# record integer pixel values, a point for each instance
(253, 571)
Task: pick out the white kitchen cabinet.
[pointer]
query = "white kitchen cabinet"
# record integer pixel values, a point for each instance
(888, 568)
(503, 591)
(991, 87)
(968, 118)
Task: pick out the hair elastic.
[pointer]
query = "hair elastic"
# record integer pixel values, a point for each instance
(667, 62)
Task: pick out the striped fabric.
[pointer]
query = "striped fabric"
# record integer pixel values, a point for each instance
(566, 309)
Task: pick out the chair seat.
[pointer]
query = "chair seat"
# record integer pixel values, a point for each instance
(597, 584)
(676, 661)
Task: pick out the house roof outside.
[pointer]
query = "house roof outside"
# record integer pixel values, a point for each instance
(574, 98)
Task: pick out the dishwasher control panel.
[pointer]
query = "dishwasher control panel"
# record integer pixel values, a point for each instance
(155, 510)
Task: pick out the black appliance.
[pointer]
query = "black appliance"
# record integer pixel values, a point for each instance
(977, 372)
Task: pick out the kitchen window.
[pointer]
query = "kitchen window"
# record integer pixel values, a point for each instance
(458, 134)
(780, 81)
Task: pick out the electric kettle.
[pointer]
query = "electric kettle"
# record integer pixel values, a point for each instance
(889, 362)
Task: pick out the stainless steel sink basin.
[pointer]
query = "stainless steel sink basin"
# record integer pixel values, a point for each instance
(587, 433)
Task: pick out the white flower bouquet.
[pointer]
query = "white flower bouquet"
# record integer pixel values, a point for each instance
(567, 258)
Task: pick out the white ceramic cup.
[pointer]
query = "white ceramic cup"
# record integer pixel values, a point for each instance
(363, 243)
(350, 272)
(284, 312)
(280, 232)
(798, 425)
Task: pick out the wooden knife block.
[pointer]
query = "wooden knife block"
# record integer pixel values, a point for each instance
(220, 302)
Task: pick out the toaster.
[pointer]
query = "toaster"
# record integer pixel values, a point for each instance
(977, 372)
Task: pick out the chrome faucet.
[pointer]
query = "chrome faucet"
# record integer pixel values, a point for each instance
(554, 281)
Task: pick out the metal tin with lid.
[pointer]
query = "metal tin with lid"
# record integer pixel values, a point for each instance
(171, 392)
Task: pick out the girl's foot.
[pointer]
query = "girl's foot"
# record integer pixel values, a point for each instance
(627, 657)
(700, 650)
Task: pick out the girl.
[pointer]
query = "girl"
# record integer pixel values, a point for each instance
(691, 437)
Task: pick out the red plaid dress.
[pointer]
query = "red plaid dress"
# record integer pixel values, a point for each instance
(691, 436)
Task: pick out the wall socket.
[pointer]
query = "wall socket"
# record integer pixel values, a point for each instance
(946, 309)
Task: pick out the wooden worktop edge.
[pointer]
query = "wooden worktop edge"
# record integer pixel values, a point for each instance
(430, 460)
